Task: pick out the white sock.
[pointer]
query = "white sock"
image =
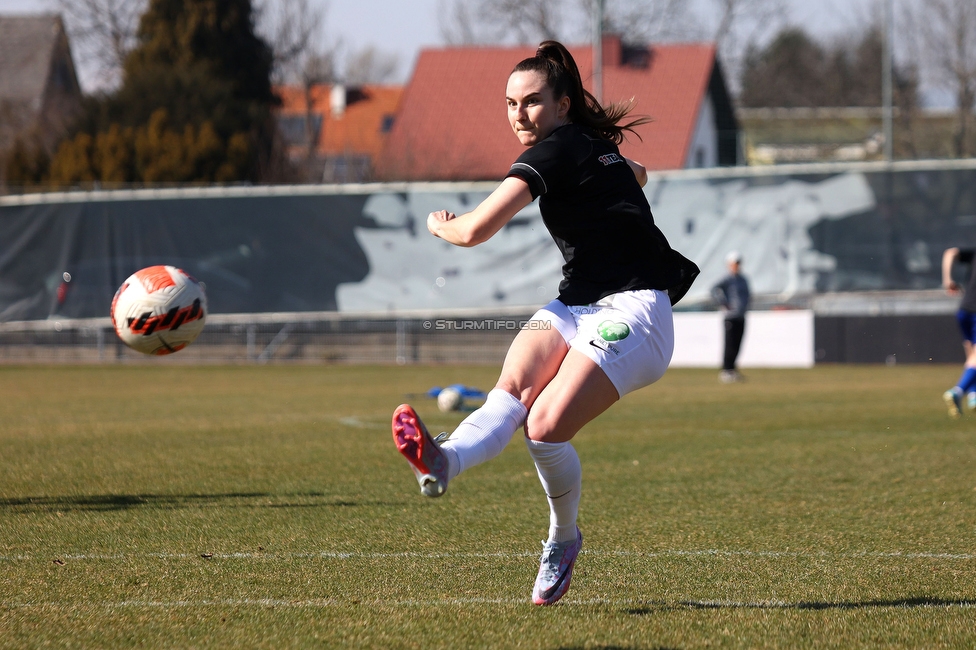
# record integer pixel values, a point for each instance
(561, 475)
(484, 434)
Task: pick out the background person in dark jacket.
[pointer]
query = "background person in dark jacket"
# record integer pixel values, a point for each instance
(732, 294)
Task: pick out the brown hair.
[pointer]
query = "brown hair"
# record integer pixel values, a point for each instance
(554, 61)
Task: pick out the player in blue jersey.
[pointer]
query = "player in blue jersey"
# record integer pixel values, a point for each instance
(966, 316)
(610, 330)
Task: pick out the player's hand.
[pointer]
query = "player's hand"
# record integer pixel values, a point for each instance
(435, 219)
(952, 288)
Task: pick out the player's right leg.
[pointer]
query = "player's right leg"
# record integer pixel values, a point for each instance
(428, 462)
(533, 359)
(953, 401)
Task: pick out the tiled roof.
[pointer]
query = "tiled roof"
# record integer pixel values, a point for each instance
(27, 44)
(452, 122)
(363, 125)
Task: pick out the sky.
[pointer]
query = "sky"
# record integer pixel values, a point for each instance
(404, 27)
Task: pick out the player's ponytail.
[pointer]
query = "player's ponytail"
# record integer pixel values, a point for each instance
(554, 61)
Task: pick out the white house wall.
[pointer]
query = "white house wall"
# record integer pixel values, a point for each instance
(703, 151)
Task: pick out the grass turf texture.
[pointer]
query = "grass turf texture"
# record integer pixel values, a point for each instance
(267, 507)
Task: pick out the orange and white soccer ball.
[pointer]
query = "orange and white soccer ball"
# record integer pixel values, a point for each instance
(159, 310)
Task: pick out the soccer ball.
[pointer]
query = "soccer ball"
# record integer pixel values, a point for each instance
(159, 310)
(449, 399)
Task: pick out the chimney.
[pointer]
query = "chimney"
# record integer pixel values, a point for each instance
(612, 50)
(337, 100)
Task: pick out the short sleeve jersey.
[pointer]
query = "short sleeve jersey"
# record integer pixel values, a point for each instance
(966, 256)
(597, 214)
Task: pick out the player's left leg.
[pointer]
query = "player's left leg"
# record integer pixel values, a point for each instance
(578, 393)
(967, 382)
(966, 386)
(620, 347)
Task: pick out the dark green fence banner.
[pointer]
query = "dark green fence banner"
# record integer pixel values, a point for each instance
(255, 253)
(802, 230)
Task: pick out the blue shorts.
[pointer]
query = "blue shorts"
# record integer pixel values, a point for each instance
(967, 324)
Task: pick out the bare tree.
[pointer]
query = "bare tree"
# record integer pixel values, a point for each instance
(294, 30)
(640, 21)
(369, 65)
(458, 23)
(744, 19)
(317, 69)
(733, 25)
(467, 22)
(738, 27)
(102, 33)
(947, 30)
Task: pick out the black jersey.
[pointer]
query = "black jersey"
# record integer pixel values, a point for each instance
(968, 302)
(598, 215)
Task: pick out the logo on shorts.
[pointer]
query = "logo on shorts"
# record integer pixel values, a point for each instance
(611, 331)
(600, 344)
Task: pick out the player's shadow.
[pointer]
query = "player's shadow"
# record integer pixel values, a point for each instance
(110, 502)
(905, 603)
(613, 647)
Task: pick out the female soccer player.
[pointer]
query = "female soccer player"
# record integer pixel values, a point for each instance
(966, 317)
(610, 330)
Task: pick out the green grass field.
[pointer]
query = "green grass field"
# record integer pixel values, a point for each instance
(166, 506)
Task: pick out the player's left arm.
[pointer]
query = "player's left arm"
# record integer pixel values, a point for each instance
(483, 222)
(639, 171)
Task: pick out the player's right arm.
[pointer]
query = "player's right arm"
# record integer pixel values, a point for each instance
(948, 257)
(484, 221)
(720, 294)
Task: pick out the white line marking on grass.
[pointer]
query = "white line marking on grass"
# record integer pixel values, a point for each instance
(316, 603)
(357, 555)
(797, 554)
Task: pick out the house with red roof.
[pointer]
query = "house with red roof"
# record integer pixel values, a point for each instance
(335, 133)
(452, 122)
(39, 92)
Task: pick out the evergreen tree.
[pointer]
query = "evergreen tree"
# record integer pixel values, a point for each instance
(26, 165)
(789, 72)
(796, 71)
(194, 105)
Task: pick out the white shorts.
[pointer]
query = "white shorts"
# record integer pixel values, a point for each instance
(630, 335)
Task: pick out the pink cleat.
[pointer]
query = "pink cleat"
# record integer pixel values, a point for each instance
(426, 459)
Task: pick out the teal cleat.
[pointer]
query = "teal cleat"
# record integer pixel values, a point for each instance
(953, 401)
